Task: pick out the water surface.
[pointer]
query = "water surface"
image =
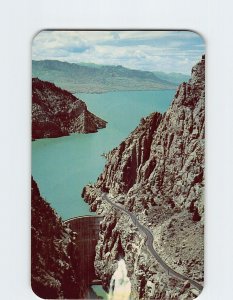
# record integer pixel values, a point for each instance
(63, 166)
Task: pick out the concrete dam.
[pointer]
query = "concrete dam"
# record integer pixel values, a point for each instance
(87, 230)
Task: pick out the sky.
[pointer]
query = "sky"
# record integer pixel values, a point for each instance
(167, 51)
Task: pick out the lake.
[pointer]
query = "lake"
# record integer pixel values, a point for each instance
(63, 166)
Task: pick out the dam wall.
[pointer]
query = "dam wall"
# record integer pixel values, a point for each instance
(87, 232)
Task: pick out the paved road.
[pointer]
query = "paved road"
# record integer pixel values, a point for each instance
(150, 245)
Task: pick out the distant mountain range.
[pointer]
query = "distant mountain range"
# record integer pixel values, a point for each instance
(176, 78)
(92, 78)
(172, 77)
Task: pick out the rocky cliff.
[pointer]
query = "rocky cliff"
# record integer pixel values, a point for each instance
(56, 112)
(157, 173)
(54, 257)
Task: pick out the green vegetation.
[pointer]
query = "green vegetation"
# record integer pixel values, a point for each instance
(92, 78)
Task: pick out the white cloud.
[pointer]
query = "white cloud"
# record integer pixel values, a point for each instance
(169, 51)
(143, 34)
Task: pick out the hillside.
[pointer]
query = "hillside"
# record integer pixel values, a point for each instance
(176, 78)
(54, 274)
(56, 112)
(157, 174)
(76, 78)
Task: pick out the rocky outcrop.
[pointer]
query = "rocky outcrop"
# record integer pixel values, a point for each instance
(56, 112)
(158, 174)
(125, 161)
(54, 258)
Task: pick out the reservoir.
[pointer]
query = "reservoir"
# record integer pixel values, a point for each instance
(63, 166)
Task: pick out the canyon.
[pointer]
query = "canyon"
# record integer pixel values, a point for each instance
(62, 252)
(54, 265)
(157, 174)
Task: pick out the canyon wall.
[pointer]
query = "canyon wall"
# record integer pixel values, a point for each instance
(56, 112)
(54, 253)
(157, 173)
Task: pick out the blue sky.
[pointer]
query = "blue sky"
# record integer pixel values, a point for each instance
(168, 51)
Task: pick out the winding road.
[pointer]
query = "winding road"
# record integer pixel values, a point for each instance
(150, 245)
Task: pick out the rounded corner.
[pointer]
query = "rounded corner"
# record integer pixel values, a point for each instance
(35, 292)
(197, 297)
(199, 34)
(36, 34)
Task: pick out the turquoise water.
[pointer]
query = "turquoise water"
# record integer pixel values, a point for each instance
(63, 166)
(99, 291)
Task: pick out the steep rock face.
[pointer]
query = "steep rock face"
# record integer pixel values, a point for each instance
(56, 112)
(158, 174)
(124, 162)
(54, 264)
(165, 153)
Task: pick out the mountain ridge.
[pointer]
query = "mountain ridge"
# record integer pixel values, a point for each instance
(172, 76)
(76, 77)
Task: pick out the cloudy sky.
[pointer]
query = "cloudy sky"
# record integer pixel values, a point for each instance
(168, 51)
